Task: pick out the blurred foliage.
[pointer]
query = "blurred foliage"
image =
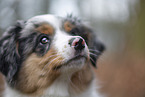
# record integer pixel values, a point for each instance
(138, 40)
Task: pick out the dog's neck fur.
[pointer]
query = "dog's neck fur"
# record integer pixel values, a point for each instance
(56, 90)
(66, 85)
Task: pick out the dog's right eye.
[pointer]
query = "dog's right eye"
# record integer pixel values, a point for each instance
(44, 40)
(42, 44)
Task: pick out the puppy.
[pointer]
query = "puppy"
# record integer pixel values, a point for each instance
(49, 56)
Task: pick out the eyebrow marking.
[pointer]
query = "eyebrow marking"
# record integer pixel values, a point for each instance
(68, 26)
(46, 29)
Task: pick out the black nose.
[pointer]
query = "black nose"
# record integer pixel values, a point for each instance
(78, 43)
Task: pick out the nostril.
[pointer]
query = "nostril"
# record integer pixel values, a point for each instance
(78, 43)
(75, 42)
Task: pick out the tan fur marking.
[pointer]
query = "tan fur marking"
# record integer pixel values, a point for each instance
(37, 73)
(17, 47)
(46, 29)
(68, 26)
(81, 80)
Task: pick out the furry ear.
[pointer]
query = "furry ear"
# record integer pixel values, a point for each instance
(10, 59)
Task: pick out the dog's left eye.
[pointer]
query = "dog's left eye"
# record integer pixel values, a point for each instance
(44, 40)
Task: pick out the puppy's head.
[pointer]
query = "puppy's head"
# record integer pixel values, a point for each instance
(45, 47)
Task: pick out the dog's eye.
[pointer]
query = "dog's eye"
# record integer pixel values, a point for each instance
(44, 40)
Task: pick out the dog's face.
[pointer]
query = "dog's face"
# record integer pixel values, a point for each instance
(43, 48)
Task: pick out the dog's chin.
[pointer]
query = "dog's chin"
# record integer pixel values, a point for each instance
(73, 64)
(77, 61)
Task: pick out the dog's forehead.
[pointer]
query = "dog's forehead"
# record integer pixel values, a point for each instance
(54, 21)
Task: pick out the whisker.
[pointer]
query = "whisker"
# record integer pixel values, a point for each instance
(55, 64)
(93, 54)
(94, 50)
(92, 60)
(97, 51)
(52, 55)
(50, 63)
(96, 56)
(91, 50)
(46, 58)
(61, 62)
(54, 59)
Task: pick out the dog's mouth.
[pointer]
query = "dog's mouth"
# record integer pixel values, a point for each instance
(71, 61)
(77, 57)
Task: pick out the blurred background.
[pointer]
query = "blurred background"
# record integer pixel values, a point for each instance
(119, 24)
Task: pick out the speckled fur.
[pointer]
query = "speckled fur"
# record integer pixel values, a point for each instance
(36, 69)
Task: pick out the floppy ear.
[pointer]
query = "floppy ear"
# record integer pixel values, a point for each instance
(96, 48)
(10, 59)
